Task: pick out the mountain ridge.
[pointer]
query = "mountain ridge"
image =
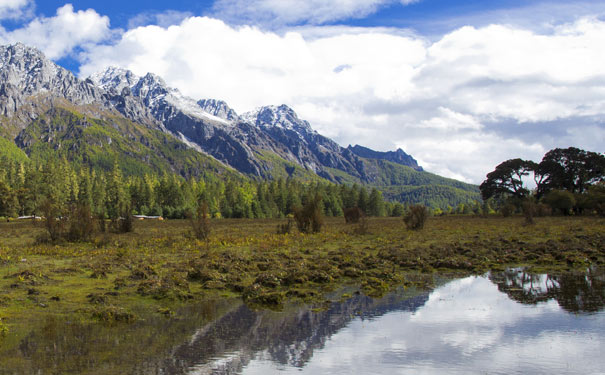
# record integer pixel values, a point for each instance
(269, 142)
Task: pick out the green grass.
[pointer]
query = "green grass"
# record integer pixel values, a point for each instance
(160, 269)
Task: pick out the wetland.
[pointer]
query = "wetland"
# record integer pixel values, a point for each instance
(249, 300)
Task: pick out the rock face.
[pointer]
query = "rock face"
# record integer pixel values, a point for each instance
(30, 85)
(398, 156)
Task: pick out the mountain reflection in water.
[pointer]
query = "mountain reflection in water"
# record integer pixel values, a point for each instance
(509, 322)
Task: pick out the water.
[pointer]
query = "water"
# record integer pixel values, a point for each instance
(503, 323)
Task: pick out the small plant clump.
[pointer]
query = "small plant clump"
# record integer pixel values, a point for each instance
(529, 211)
(363, 226)
(3, 328)
(200, 223)
(285, 228)
(416, 217)
(353, 215)
(309, 218)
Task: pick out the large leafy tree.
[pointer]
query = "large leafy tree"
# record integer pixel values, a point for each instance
(507, 179)
(570, 169)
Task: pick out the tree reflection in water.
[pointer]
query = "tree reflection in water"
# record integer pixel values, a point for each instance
(575, 292)
(225, 336)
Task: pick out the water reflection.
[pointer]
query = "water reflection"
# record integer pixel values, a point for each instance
(577, 293)
(510, 322)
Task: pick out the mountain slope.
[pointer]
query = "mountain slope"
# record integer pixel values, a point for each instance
(148, 126)
(99, 143)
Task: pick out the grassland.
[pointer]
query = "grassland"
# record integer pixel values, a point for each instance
(160, 267)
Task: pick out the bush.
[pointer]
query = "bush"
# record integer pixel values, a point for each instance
(543, 210)
(507, 210)
(560, 200)
(416, 217)
(309, 219)
(284, 228)
(124, 223)
(353, 215)
(529, 211)
(200, 222)
(3, 329)
(53, 223)
(363, 227)
(81, 223)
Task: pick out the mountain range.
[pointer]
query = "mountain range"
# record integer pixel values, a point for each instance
(150, 127)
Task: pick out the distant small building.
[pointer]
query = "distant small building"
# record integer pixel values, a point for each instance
(145, 217)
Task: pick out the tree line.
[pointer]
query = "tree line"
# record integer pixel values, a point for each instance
(36, 188)
(566, 180)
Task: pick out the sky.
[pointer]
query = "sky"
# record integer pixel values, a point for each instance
(459, 85)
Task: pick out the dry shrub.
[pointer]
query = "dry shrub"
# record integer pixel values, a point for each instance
(529, 211)
(200, 222)
(507, 210)
(543, 210)
(309, 219)
(124, 223)
(81, 223)
(284, 228)
(416, 217)
(353, 215)
(363, 227)
(54, 224)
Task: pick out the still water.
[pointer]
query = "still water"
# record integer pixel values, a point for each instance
(501, 323)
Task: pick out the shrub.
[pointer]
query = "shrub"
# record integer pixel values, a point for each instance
(529, 211)
(543, 210)
(54, 224)
(200, 222)
(507, 210)
(81, 223)
(353, 215)
(3, 329)
(416, 217)
(309, 219)
(124, 223)
(560, 200)
(284, 228)
(363, 227)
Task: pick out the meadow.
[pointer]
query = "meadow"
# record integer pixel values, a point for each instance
(161, 267)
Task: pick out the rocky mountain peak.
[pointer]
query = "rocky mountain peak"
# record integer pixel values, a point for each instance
(115, 79)
(218, 108)
(281, 116)
(26, 73)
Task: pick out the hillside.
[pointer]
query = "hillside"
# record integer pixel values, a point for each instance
(149, 127)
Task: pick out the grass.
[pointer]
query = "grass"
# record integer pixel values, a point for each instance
(161, 266)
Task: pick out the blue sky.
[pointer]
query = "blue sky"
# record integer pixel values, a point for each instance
(460, 85)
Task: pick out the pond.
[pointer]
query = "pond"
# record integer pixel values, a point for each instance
(499, 323)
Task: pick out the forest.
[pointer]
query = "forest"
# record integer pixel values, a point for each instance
(28, 188)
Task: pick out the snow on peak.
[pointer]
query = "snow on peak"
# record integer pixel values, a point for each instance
(277, 116)
(218, 108)
(114, 78)
(153, 90)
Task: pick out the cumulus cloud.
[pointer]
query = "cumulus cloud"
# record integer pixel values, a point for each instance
(58, 36)
(13, 9)
(288, 12)
(460, 105)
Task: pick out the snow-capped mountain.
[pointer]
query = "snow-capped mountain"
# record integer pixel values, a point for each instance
(268, 142)
(277, 116)
(219, 109)
(28, 78)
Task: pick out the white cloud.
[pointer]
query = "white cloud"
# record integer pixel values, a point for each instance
(58, 36)
(460, 105)
(287, 12)
(13, 9)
